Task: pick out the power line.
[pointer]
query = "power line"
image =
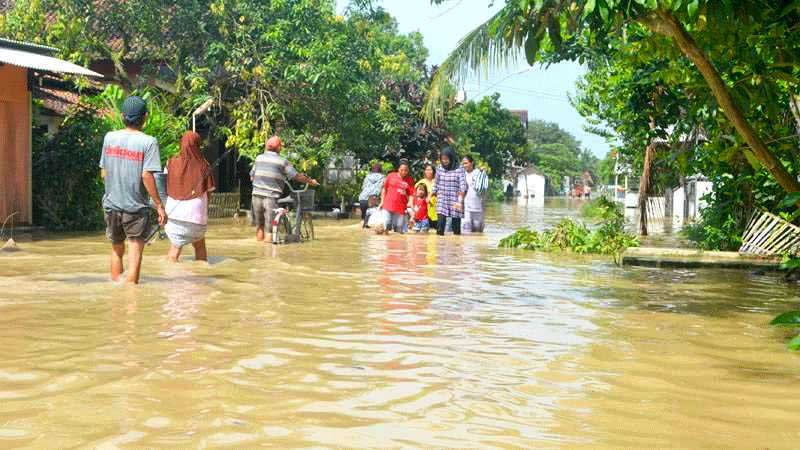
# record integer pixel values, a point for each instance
(533, 93)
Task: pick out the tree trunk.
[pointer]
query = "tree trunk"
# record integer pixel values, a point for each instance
(794, 105)
(664, 22)
(644, 187)
(685, 212)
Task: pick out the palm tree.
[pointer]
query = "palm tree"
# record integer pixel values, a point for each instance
(521, 27)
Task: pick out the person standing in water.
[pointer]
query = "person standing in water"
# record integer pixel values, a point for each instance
(269, 174)
(397, 197)
(371, 187)
(127, 164)
(477, 185)
(449, 186)
(427, 180)
(189, 184)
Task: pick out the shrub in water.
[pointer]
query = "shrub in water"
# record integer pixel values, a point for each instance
(609, 238)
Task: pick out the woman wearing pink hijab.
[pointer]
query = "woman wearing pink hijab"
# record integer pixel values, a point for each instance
(189, 184)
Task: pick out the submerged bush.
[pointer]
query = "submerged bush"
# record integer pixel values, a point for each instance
(601, 208)
(609, 238)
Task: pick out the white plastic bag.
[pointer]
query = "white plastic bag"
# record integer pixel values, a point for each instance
(377, 220)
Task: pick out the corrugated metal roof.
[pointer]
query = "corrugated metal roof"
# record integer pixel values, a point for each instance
(27, 46)
(44, 63)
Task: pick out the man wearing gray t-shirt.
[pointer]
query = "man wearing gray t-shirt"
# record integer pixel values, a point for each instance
(127, 164)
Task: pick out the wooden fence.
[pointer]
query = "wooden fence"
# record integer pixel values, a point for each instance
(769, 235)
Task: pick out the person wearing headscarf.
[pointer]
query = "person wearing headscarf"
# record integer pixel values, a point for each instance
(449, 187)
(189, 183)
(370, 188)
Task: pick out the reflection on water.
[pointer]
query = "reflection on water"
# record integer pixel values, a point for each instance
(360, 340)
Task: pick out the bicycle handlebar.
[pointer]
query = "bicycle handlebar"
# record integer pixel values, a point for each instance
(296, 191)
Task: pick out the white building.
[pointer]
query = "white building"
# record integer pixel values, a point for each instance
(688, 205)
(530, 186)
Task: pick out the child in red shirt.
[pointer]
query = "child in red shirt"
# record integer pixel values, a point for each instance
(420, 216)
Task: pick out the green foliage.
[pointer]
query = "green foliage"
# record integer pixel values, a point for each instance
(790, 263)
(329, 83)
(605, 168)
(162, 125)
(490, 133)
(67, 187)
(602, 208)
(789, 319)
(557, 153)
(728, 210)
(609, 238)
(496, 192)
(644, 89)
(681, 63)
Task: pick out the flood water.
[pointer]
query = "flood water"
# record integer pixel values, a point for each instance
(358, 340)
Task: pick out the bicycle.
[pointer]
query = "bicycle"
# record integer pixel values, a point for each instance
(303, 230)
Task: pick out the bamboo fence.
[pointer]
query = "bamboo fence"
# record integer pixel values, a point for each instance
(769, 235)
(223, 205)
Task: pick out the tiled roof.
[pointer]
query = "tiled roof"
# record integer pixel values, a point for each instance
(58, 101)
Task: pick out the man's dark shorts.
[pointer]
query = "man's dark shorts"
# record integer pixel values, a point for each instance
(123, 225)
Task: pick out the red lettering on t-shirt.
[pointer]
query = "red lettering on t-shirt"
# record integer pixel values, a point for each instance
(124, 153)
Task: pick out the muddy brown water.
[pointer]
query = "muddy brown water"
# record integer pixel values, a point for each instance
(357, 340)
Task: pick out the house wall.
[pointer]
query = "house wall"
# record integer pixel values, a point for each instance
(531, 188)
(15, 144)
(695, 205)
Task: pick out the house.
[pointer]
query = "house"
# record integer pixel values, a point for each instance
(685, 203)
(21, 65)
(522, 114)
(530, 186)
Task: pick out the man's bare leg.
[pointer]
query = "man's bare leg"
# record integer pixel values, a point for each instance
(174, 253)
(135, 250)
(200, 252)
(117, 252)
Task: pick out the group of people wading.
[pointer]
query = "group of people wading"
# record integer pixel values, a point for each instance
(130, 159)
(450, 196)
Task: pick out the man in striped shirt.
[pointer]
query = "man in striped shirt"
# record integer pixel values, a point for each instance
(269, 174)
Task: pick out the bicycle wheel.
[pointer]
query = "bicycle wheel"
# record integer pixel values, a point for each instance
(284, 229)
(307, 227)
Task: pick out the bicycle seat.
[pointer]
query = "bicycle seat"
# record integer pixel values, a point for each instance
(286, 201)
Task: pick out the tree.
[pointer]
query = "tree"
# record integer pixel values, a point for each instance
(693, 136)
(555, 30)
(490, 133)
(327, 83)
(557, 153)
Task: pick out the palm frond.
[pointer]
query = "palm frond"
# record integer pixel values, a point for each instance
(485, 47)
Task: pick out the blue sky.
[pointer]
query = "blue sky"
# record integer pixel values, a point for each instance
(543, 92)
